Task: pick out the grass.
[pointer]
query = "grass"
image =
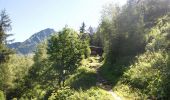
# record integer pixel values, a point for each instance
(112, 73)
(145, 78)
(84, 77)
(93, 93)
(128, 92)
(2, 97)
(83, 83)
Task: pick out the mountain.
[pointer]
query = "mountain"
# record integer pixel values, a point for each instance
(29, 45)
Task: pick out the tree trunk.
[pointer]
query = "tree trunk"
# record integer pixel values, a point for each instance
(63, 82)
(59, 81)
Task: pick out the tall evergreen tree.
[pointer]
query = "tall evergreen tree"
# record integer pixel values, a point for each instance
(5, 26)
(5, 72)
(82, 28)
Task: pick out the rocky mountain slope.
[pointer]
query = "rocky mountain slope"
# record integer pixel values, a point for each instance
(29, 45)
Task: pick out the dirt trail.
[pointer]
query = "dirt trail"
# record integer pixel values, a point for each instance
(102, 83)
(115, 96)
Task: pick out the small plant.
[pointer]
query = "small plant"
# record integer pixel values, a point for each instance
(147, 77)
(2, 97)
(61, 94)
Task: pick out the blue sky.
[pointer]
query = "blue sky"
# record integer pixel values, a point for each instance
(31, 16)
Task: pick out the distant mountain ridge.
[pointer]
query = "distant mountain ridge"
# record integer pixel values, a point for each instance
(29, 45)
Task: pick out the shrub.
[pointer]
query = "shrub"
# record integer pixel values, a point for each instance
(36, 93)
(91, 94)
(2, 97)
(61, 94)
(149, 75)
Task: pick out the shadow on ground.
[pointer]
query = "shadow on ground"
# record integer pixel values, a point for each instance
(84, 80)
(111, 73)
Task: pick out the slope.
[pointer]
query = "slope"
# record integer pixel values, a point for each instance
(29, 45)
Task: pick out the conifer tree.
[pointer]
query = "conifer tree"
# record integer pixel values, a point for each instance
(5, 72)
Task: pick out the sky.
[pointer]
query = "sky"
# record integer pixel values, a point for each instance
(31, 16)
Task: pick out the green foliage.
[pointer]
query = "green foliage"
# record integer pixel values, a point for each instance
(6, 77)
(41, 72)
(5, 72)
(137, 27)
(128, 92)
(36, 93)
(158, 35)
(154, 9)
(149, 75)
(13, 72)
(85, 39)
(91, 94)
(112, 73)
(82, 28)
(135, 38)
(2, 97)
(97, 39)
(82, 84)
(61, 94)
(119, 30)
(84, 78)
(5, 26)
(86, 49)
(40, 53)
(124, 30)
(65, 51)
(87, 52)
(39, 78)
(106, 29)
(18, 68)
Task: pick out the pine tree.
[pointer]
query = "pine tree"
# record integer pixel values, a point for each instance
(5, 72)
(5, 26)
(82, 28)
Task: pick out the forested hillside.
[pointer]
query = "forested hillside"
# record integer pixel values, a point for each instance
(135, 64)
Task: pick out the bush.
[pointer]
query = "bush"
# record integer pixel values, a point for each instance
(61, 94)
(91, 94)
(2, 97)
(128, 92)
(87, 51)
(36, 93)
(149, 75)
